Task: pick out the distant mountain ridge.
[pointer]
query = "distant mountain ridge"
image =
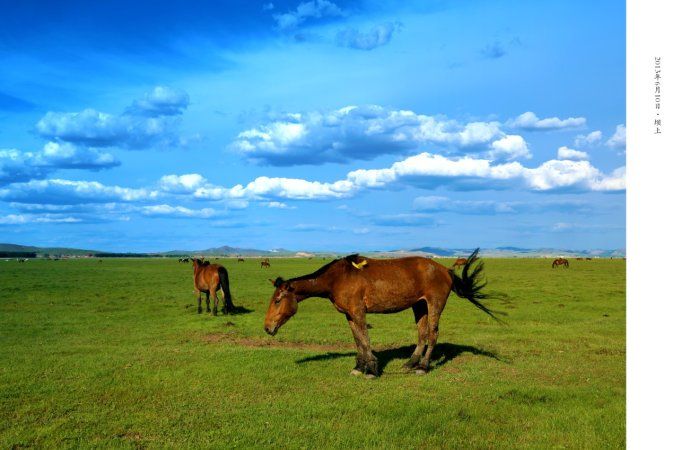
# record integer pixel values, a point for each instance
(226, 250)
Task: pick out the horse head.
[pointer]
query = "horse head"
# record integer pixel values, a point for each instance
(283, 305)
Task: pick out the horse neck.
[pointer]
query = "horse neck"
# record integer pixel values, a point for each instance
(319, 286)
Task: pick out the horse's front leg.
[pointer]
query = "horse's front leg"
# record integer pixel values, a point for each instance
(198, 301)
(359, 361)
(365, 357)
(208, 302)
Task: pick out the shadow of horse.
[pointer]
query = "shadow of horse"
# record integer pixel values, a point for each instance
(443, 354)
(239, 310)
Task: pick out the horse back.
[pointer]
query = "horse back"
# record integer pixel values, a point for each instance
(208, 276)
(390, 285)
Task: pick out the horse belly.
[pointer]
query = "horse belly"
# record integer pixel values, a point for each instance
(385, 298)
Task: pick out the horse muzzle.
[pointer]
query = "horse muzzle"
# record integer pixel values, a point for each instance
(271, 330)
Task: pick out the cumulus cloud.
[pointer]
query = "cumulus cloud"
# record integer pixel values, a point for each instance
(97, 129)
(510, 147)
(425, 170)
(367, 40)
(147, 122)
(585, 140)
(314, 9)
(161, 101)
(530, 121)
(618, 140)
(16, 166)
(569, 153)
(279, 205)
(365, 132)
(66, 192)
(182, 184)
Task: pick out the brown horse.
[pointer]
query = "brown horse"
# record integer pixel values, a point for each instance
(357, 286)
(240, 259)
(560, 262)
(209, 278)
(459, 262)
(265, 264)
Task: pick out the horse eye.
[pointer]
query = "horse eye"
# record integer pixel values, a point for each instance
(277, 301)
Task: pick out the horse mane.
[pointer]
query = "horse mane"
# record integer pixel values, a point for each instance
(323, 269)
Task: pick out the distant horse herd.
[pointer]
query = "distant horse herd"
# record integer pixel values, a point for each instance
(264, 262)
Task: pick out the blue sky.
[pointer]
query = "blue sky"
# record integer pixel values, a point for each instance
(348, 126)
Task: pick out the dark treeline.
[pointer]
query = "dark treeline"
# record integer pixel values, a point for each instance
(17, 254)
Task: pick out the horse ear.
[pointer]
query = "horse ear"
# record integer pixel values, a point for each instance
(278, 282)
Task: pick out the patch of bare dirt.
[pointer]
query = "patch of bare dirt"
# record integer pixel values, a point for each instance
(215, 338)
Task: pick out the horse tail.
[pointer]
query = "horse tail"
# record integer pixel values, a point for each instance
(469, 284)
(225, 286)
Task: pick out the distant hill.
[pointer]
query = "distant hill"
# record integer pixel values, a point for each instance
(231, 251)
(498, 252)
(15, 248)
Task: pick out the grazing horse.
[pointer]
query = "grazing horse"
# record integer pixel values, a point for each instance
(240, 259)
(560, 262)
(265, 264)
(459, 262)
(209, 278)
(357, 286)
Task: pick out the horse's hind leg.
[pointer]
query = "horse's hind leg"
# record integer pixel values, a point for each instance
(435, 310)
(215, 302)
(421, 316)
(198, 300)
(208, 303)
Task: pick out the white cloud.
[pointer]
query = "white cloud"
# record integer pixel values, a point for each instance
(365, 132)
(434, 203)
(530, 121)
(97, 129)
(510, 147)
(427, 170)
(592, 138)
(313, 9)
(182, 184)
(20, 219)
(176, 211)
(66, 192)
(161, 101)
(569, 153)
(367, 40)
(16, 166)
(618, 139)
(279, 205)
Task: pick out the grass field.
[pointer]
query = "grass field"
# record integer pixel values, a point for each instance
(113, 354)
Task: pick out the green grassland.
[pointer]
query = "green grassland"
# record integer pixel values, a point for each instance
(113, 354)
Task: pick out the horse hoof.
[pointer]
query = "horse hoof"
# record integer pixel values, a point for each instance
(420, 372)
(369, 376)
(356, 372)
